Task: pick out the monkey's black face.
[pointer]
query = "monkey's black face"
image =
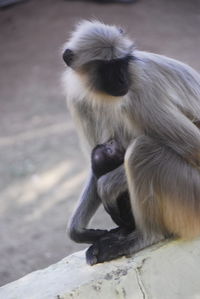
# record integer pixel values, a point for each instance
(109, 76)
(113, 76)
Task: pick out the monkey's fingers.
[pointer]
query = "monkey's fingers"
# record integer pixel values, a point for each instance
(105, 249)
(112, 245)
(91, 255)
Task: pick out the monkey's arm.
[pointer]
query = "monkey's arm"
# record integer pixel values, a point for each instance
(180, 134)
(89, 203)
(171, 128)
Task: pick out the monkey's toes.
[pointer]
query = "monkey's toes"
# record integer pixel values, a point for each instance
(91, 255)
(105, 249)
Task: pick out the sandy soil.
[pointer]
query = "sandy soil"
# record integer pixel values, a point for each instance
(41, 167)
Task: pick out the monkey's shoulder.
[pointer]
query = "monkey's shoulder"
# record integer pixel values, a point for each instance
(164, 63)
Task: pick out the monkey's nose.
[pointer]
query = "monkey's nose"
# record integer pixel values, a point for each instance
(68, 56)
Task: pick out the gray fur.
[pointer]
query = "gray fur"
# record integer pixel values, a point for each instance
(105, 41)
(155, 123)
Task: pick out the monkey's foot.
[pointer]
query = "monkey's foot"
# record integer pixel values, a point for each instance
(111, 246)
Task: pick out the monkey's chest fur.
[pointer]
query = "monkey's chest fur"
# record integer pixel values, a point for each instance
(98, 122)
(98, 117)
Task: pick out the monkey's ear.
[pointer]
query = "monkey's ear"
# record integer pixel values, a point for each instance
(68, 56)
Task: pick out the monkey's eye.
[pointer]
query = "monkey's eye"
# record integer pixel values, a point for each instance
(68, 56)
(110, 142)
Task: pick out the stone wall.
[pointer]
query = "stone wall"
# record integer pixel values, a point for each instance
(168, 270)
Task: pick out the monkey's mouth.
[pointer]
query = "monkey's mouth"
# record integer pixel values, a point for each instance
(120, 93)
(113, 92)
(116, 86)
(117, 92)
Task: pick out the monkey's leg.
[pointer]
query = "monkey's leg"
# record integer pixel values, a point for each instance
(125, 211)
(165, 198)
(164, 189)
(89, 203)
(110, 186)
(120, 211)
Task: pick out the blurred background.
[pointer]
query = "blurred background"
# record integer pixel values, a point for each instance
(42, 168)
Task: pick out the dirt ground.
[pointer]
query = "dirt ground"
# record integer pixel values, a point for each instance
(41, 167)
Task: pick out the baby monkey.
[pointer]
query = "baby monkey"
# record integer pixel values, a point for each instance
(105, 158)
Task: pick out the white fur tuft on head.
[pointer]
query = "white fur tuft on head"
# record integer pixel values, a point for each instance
(94, 40)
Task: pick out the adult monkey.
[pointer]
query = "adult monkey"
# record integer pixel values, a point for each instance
(150, 103)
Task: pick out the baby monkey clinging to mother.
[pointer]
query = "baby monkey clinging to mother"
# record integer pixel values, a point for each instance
(105, 158)
(150, 104)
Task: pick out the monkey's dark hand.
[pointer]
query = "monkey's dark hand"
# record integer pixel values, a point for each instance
(112, 245)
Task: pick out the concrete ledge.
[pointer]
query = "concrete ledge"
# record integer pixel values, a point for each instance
(167, 270)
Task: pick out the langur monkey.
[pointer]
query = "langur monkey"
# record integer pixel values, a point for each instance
(106, 157)
(151, 105)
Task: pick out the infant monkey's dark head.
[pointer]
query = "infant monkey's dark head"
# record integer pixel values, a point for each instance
(106, 157)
